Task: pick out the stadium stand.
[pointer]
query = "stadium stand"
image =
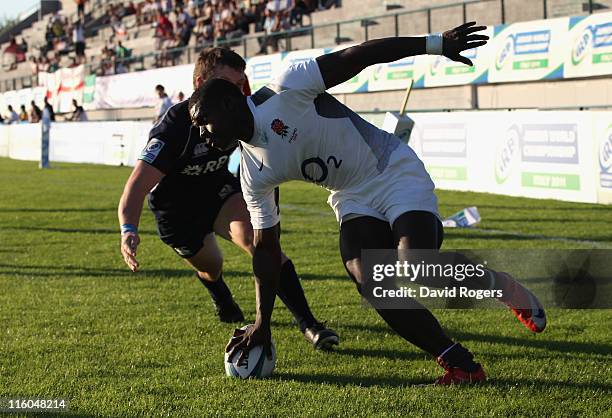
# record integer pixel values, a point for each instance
(123, 36)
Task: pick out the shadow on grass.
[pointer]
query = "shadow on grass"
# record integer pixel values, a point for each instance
(380, 353)
(80, 271)
(323, 277)
(55, 210)
(344, 380)
(377, 381)
(551, 345)
(72, 230)
(529, 341)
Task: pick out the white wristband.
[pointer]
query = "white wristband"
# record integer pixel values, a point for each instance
(433, 44)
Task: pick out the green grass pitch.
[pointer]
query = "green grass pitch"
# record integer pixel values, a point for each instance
(76, 324)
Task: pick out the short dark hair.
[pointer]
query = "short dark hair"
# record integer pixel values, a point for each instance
(159, 87)
(211, 93)
(209, 58)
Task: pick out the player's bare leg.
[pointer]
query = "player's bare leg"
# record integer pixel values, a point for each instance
(417, 325)
(208, 263)
(233, 223)
(423, 230)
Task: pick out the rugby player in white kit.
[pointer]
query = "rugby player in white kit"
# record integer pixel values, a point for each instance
(380, 191)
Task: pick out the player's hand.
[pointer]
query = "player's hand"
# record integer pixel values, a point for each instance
(462, 38)
(243, 340)
(129, 244)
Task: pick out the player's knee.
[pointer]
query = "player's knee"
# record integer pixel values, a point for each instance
(210, 274)
(242, 235)
(353, 267)
(209, 269)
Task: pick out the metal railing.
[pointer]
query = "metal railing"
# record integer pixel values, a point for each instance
(361, 28)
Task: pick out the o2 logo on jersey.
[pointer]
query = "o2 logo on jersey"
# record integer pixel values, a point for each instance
(507, 155)
(316, 170)
(505, 53)
(582, 46)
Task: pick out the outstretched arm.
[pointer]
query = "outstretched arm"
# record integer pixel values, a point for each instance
(340, 66)
(266, 267)
(141, 181)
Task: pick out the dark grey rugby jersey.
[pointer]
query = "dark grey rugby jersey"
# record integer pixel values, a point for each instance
(176, 149)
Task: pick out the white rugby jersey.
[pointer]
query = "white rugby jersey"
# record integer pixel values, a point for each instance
(303, 133)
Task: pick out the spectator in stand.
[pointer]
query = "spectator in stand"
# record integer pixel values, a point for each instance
(203, 33)
(43, 64)
(121, 55)
(328, 4)
(81, 9)
(164, 38)
(181, 96)
(78, 38)
(54, 63)
(23, 114)
(164, 103)
(277, 19)
(35, 113)
(10, 54)
(78, 115)
(12, 117)
(33, 65)
(23, 47)
(49, 109)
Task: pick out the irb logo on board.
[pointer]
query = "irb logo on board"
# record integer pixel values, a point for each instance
(507, 155)
(605, 160)
(582, 46)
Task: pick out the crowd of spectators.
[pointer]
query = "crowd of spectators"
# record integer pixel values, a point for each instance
(35, 113)
(175, 23)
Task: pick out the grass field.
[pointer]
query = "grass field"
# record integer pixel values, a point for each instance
(76, 324)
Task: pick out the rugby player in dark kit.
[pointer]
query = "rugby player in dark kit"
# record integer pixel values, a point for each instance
(194, 197)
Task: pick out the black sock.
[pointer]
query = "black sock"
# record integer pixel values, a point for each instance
(418, 326)
(458, 356)
(218, 290)
(291, 293)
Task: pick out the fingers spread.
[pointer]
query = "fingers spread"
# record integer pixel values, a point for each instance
(476, 38)
(235, 349)
(473, 29)
(465, 26)
(463, 60)
(471, 45)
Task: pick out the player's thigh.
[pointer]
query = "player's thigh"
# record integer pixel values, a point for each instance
(418, 230)
(362, 233)
(234, 224)
(209, 259)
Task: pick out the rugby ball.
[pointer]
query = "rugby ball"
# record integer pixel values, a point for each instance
(257, 365)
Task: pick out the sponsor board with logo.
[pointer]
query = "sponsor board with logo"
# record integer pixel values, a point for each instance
(530, 154)
(261, 69)
(590, 46)
(527, 51)
(443, 146)
(603, 140)
(396, 75)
